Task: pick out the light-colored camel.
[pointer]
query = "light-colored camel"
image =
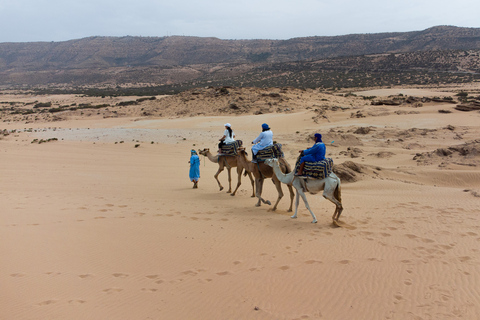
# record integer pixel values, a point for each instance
(330, 186)
(228, 162)
(262, 171)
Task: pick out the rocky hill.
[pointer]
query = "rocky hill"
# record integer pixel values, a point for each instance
(177, 61)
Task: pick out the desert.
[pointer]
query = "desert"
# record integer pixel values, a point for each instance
(99, 219)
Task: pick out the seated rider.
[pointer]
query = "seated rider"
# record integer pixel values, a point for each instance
(313, 154)
(228, 136)
(265, 139)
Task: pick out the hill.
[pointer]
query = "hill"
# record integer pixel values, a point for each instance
(176, 61)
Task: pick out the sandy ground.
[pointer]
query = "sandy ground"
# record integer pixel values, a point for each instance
(93, 228)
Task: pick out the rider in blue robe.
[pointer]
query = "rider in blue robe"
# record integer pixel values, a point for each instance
(314, 154)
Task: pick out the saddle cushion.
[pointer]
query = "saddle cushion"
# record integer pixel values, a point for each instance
(274, 151)
(231, 148)
(316, 170)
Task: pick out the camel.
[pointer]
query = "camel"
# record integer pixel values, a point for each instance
(262, 171)
(330, 186)
(229, 162)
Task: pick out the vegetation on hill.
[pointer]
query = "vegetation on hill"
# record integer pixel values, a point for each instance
(151, 66)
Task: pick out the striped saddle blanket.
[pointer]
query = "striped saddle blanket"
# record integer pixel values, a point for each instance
(274, 151)
(231, 148)
(316, 170)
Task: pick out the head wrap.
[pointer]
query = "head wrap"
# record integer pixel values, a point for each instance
(228, 125)
(193, 151)
(318, 137)
(265, 126)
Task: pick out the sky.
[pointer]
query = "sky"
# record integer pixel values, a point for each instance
(62, 20)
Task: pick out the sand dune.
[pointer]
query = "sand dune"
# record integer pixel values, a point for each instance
(94, 227)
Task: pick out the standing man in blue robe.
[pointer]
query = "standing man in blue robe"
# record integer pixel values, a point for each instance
(314, 154)
(194, 168)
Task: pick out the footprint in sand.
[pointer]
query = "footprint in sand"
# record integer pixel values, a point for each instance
(17, 275)
(120, 275)
(77, 301)
(85, 276)
(284, 268)
(47, 302)
(224, 273)
(153, 276)
(112, 290)
(398, 297)
(149, 289)
(465, 258)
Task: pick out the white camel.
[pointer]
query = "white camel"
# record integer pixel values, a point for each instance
(330, 186)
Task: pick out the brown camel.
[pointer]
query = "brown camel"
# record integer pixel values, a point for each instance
(261, 171)
(228, 162)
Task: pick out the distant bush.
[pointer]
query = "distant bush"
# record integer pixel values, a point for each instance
(43, 105)
(127, 103)
(145, 99)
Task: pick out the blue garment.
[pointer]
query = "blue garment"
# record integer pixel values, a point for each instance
(315, 153)
(194, 168)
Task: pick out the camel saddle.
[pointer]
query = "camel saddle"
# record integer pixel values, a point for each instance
(316, 170)
(270, 152)
(231, 149)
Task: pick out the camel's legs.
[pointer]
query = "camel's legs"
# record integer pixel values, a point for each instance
(297, 202)
(252, 181)
(239, 180)
(328, 194)
(292, 194)
(258, 192)
(229, 180)
(304, 197)
(300, 193)
(278, 185)
(220, 169)
(239, 172)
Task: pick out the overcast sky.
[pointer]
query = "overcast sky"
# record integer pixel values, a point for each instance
(60, 20)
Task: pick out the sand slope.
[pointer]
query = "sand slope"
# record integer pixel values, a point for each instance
(91, 228)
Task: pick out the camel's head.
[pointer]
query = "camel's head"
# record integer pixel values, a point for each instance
(271, 162)
(242, 151)
(204, 151)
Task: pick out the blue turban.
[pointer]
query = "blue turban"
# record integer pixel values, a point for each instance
(265, 126)
(318, 137)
